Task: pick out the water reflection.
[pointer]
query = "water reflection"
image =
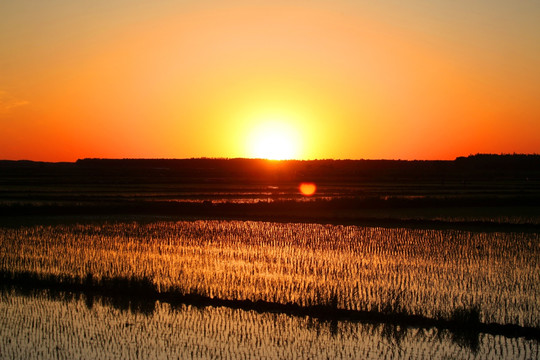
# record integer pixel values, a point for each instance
(55, 324)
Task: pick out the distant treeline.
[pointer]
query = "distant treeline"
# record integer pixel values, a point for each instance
(475, 167)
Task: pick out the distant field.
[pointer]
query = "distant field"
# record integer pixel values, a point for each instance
(367, 204)
(478, 191)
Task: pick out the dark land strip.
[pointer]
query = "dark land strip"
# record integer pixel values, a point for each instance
(140, 295)
(480, 192)
(320, 212)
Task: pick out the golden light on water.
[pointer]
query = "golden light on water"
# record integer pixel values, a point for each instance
(307, 189)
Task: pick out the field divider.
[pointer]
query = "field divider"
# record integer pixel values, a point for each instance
(141, 294)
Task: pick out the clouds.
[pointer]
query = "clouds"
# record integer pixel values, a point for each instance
(9, 102)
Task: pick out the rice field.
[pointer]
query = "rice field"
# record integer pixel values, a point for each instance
(432, 273)
(37, 326)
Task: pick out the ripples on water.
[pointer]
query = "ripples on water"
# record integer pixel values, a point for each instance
(40, 327)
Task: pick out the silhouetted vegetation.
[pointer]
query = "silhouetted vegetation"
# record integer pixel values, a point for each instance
(215, 171)
(467, 319)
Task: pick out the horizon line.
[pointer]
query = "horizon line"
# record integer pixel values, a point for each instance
(274, 160)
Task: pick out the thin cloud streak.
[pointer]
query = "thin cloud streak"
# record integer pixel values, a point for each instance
(9, 102)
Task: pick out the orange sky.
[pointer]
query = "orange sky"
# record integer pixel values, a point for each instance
(348, 79)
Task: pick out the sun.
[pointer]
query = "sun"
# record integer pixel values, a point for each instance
(274, 140)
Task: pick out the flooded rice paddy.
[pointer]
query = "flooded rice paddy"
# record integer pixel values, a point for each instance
(493, 277)
(36, 326)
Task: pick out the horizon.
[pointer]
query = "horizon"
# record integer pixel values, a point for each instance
(283, 160)
(287, 80)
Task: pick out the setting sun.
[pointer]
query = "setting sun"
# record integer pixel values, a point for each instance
(274, 141)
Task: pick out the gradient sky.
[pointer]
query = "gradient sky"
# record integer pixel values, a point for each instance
(417, 79)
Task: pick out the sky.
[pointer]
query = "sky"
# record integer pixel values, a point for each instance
(389, 79)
